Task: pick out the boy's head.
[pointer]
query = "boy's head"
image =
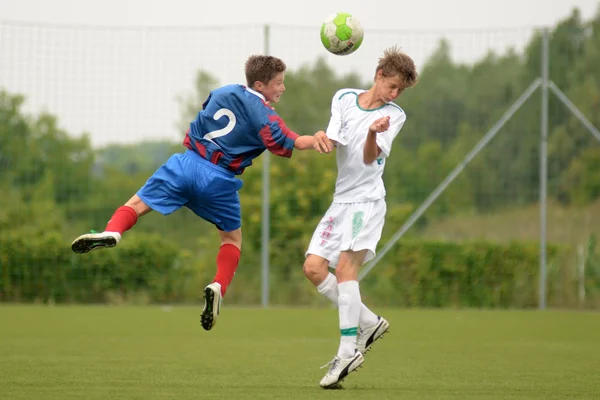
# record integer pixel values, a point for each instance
(265, 74)
(395, 72)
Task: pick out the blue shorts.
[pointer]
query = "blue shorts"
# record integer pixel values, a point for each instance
(187, 179)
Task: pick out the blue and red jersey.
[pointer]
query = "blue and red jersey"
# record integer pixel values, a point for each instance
(235, 126)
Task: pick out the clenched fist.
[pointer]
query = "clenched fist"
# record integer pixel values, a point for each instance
(380, 125)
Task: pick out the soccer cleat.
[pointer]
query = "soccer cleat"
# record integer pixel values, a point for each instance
(212, 305)
(92, 241)
(367, 336)
(339, 368)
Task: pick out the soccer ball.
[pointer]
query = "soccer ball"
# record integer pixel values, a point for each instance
(341, 34)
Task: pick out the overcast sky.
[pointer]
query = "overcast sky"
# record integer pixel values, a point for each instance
(398, 14)
(119, 83)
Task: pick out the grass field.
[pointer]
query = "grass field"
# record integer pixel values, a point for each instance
(150, 353)
(565, 225)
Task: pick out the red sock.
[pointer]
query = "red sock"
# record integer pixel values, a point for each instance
(227, 262)
(122, 220)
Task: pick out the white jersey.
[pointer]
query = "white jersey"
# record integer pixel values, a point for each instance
(349, 126)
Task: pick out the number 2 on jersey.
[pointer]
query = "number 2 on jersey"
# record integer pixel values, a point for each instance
(223, 112)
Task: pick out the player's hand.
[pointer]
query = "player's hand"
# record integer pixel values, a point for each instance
(322, 143)
(380, 125)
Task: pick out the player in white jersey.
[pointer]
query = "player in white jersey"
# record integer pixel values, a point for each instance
(363, 126)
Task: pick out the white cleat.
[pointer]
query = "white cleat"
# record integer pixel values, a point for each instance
(212, 305)
(92, 241)
(339, 368)
(367, 336)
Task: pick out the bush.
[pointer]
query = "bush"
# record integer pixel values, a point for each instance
(446, 274)
(44, 269)
(150, 269)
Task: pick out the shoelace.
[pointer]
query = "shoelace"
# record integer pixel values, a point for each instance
(331, 363)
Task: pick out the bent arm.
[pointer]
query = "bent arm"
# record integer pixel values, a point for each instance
(371, 151)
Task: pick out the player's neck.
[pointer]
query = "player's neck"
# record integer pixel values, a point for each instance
(367, 100)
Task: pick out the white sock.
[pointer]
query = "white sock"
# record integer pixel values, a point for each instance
(329, 289)
(349, 311)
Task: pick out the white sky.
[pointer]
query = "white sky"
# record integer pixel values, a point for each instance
(381, 14)
(120, 84)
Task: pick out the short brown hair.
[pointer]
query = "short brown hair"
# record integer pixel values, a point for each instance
(262, 68)
(396, 63)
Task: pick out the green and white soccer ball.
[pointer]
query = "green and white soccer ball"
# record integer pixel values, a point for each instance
(341, 34)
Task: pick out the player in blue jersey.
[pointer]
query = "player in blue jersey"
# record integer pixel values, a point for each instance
(235, 126)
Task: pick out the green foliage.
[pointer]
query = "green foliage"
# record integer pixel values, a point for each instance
(135, 159)
(43, 269)
(52, 158)
(442, 274)
(591, 276)
(55, 185)
(306, 105)
(150, 268)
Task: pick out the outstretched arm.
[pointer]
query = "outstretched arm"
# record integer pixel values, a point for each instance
(320, 142)
(304, 142)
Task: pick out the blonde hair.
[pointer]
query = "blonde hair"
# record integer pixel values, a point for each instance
(397, 63)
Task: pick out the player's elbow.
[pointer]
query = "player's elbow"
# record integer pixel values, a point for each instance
(367, 159)
(370, 155)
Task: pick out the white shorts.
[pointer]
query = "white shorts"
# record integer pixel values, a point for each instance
(348, 226)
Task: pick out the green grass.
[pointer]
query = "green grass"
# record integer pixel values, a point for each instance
(148, 353)
(565, 225)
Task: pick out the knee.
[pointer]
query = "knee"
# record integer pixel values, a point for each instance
(315, 270)
(138, 206)
(309, 269)
(234, 238)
